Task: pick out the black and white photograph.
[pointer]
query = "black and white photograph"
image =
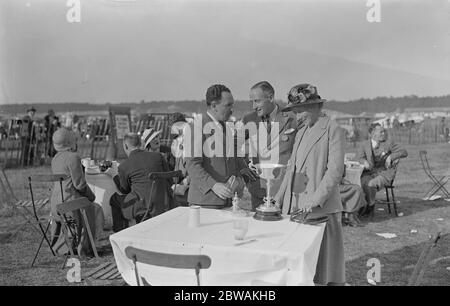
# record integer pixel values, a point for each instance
(237, 145)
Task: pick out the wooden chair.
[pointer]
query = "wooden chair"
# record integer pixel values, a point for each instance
(389, 191)
(44, 178)
(75, 205)
(154, 177)
(423, 261)
(439, 181)
(195, 262)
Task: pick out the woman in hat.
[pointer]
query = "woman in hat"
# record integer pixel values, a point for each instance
(311, 184)
(151, 140)
(67, 161)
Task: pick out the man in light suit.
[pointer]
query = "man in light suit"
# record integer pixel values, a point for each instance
(266, 110)
(380, 156)
(313, 174)
(208, 172)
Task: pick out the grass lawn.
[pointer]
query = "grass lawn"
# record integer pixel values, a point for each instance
(397, 255)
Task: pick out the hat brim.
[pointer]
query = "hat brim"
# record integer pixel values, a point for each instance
(291, 106)
(152, 137)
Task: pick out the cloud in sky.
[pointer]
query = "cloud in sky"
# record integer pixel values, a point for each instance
(173, 50)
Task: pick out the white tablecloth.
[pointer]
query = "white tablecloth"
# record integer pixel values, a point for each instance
(103, 187)
(285, 253)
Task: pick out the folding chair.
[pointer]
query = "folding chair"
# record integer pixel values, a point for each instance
(195, 262)
(23, 208)
(44, 178)
(76, 205)
(423, 261)
(439, 181)
(154, 177)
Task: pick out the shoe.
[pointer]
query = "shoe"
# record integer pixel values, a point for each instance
(344, 220)
(353, 221)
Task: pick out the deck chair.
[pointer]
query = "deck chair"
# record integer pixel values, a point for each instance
(76, 205)
(423, 261)
(154, 177)
(439, 181)
(195, 262)
(36, 205)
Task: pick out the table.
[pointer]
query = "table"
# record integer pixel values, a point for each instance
(284, 253)
(353, 173)
(103, 187)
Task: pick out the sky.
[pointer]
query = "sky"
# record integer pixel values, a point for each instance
(133, 50)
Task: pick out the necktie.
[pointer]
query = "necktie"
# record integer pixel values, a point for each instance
(266, 119)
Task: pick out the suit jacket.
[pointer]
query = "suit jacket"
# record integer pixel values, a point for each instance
(133, 181)
(287, 126)
(69, 163)
(206, 171)
(365, 153)
(322, 164)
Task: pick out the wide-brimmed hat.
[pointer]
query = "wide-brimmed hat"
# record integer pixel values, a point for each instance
(64, 139)
(302, 94)
(31, 109)
(148, 136)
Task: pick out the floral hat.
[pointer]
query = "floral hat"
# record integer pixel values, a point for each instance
(303, 94)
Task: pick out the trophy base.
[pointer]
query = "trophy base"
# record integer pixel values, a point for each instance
(267, 214)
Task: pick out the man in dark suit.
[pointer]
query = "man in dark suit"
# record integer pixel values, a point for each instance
(133, 182)
(379, 155)
(210, 171)
(265, 110)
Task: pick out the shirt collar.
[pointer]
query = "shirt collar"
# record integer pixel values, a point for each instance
(212, 118)
(374, 143)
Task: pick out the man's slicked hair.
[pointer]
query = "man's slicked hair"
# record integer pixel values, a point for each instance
(373, 126)
(214, 93)
(132, 140)
(265, 87)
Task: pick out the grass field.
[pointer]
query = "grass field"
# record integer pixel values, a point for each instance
(397, 256)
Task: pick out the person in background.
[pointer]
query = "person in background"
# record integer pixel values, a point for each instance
(51, 124)
(28, 135)
(66, 161)
(379, 156)
(311, 183)
(181, 187)
(353, 200)
(132, 180)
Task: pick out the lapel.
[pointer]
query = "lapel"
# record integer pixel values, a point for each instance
(318, 130)
(369, 152)
(283, 121)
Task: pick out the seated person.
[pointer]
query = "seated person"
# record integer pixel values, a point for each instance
(133, 182)
(66, 161)
(151, 141)
(352, 197)
(379, 157)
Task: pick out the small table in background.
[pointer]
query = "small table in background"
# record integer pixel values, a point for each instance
(353, 171)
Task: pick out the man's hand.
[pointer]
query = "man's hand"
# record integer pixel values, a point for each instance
(252, 175)
(112, 172)
(366, 164)
(388, 163)
(222, 191)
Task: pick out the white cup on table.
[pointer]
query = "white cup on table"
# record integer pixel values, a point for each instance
(194, 216)
(240, 228)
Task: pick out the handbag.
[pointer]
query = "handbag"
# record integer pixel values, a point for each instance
(302, 218)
